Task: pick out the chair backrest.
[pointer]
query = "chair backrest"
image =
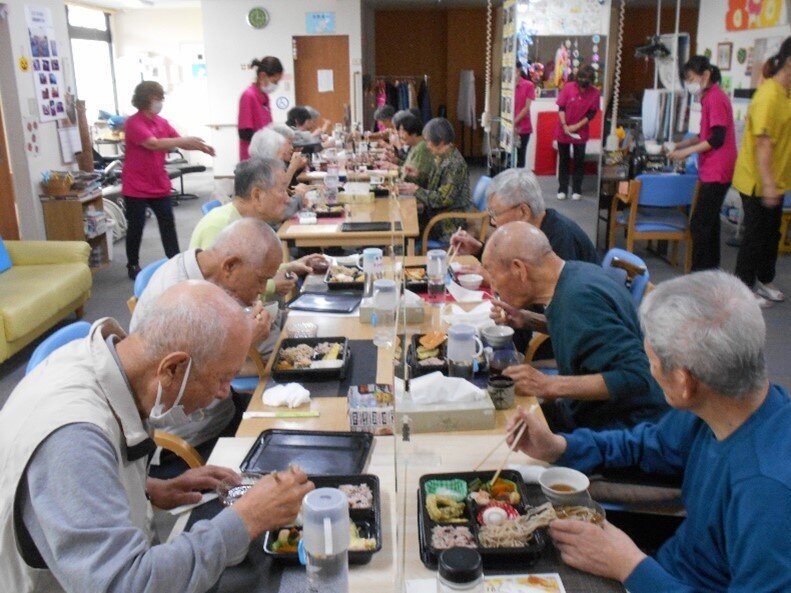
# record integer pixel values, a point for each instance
(629, 270)
(69, 333)
(667, 190)
(479, 194)
(145, 275)
(209, 206)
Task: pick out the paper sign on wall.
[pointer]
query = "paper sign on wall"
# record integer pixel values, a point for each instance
(326, 83)
(47, 66)
(317, 23)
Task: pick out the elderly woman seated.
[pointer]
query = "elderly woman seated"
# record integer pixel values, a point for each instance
(305, 126)
(276, 142)
(448, 187)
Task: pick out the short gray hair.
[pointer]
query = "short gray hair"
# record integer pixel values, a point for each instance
(518, 186)
(384, 112)
(266, 143)
(197, 319)
(439, 131)
(710, 324)
(255, 172)
(249, 239)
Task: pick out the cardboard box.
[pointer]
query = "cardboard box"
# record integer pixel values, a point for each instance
(445, 417)
(371, 409)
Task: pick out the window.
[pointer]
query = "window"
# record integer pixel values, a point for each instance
(91, 48)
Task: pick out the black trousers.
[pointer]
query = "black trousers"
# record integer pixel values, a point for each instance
(758, 251)
(705, 226)
(136, 219)
(524, 139)
(564, 156)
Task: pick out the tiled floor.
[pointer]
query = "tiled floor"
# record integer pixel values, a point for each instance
(112, 287)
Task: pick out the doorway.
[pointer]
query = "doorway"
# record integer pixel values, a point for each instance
(9, 227)
(321, 73)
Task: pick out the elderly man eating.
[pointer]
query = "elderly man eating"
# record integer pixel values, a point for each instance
(604, 379)
(727, 437)
(246, 255)
(74, 443)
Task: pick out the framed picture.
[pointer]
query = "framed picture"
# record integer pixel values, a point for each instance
(724, 55)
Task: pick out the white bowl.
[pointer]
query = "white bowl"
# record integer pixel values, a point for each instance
(653, 149)
(471, 281)
(497, 336)
(577, 481)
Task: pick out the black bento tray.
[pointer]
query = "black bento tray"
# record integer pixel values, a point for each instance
(493, 558)
(315, 452)
(340, 212)
(353, 286)
(323, 302)
(312, 374)
(418, 370)
(368, 521)
(369, 227)
(413, 285)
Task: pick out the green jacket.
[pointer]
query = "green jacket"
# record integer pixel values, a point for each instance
(420, 157)
(448, 190)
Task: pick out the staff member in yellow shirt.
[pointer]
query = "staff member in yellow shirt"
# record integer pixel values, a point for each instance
(763, 175)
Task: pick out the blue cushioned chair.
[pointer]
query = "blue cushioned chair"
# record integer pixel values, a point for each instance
(479, 193)
(629, 270)
(142, 280)
(659, 208)
(209, 206)
(66, 334)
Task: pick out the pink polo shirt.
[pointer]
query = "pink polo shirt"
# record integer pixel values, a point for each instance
(143, 174)
(717, 164)
(577, 104)
(524, 90)
(254, 114)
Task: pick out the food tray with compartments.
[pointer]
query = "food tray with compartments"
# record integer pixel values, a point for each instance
(357, 284)
(493, 558)
(417, 280)
(336, 371)
(368, 521)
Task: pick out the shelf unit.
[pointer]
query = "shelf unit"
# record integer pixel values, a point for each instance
(64, 220)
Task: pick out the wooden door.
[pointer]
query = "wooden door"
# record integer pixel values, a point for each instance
(9, 227)
(312, 55)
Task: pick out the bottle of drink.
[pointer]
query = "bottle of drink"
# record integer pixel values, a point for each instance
(331, 184)
(385, 305)
(325, 540)
(436, 272)
(373, 268)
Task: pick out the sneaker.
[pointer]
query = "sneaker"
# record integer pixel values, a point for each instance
(762, 302)
(768, 292)
(576, 196)
(561, 195)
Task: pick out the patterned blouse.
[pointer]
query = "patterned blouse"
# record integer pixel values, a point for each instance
(448, 190)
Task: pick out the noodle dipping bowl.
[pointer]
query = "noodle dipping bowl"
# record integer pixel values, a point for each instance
(564, 486)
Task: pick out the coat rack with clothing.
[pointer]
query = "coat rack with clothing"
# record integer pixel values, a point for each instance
(400, 92)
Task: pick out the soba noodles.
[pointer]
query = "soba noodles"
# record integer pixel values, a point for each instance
(579, 513)
(517, 533)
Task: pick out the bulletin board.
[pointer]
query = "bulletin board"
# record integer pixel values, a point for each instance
(508, 84)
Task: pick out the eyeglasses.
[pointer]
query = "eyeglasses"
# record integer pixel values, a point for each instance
(492, 214)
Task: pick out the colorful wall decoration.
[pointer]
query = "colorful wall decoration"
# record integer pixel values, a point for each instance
(756, 14)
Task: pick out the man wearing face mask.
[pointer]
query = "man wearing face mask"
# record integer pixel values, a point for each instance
(74, 441)
(144, 180)
(245, 256)
(254, 104)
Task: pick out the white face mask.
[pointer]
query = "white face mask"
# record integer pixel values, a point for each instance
(693, 88)
(156, 106)
(269, 88)
(175, 416)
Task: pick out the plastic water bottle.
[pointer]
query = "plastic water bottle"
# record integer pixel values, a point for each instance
(436, 271)
(325, 540)
(385, 305)
(373, 268)
(331, 184)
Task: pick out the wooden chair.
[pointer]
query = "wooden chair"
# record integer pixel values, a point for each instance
(180, 447)
(659, 208)
(628, 269)
(476, 218)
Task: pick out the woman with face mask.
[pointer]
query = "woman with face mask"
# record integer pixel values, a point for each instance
(144, 180)
(524, 97)
(578, 104)
(254, 105)
(716, 146)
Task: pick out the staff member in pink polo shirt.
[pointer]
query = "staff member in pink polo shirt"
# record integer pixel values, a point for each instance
(144, 180)
(524, 96)
(716, 145)
(578, 104)
(254, 105)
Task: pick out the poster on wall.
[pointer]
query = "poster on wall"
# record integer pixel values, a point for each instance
(508, 84)
(47, 65)
(756, 14)
(571, 17)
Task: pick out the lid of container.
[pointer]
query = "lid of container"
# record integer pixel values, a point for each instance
(460, 565)
(461, 331)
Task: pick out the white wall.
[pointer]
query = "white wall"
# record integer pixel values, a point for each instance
(711, 31)
(18, 95)
(231, 44)
(173, 36)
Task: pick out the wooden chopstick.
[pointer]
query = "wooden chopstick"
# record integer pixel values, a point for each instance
(454, 251)
(500, 442)
(511, 450)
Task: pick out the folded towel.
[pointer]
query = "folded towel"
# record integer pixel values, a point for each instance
(291, 395)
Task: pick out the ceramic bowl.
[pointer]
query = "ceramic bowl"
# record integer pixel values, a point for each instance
(471, 281)
(577, 482)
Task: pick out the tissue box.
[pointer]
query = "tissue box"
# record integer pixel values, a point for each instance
(412, 314)
(445, 417)
(371, 409)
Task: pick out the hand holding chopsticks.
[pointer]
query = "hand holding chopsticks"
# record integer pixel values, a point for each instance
(523, 427)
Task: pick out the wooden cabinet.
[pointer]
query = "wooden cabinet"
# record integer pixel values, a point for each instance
(66, 219)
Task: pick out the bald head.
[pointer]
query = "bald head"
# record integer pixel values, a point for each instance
(195, 317)
(251, 240)
(517, 240)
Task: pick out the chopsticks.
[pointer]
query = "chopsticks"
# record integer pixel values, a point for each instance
(497, 446)
(511, 450)
(519, 426)
(454, 251)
